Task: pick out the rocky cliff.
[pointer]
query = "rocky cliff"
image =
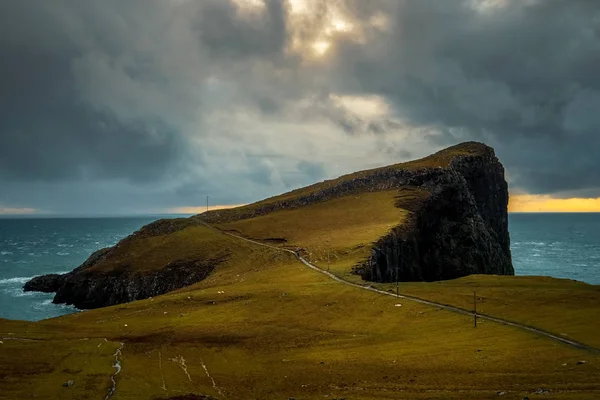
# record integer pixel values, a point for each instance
(457, 225)
(460, 229)
(93, 285)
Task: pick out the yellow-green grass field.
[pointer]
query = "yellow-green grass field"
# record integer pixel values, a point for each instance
(263, 326)
(564, 307)
(340, 231)
(440, 159)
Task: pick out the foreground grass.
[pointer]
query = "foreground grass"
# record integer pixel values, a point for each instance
(564, 307)
(265, 327)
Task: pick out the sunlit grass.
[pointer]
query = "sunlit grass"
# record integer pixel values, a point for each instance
(267, 327)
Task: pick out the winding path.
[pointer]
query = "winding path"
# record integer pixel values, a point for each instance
(447, 307)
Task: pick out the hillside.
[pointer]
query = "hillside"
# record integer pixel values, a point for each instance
(441, 217)
(217, 308)
(437, 218)
(263, 326)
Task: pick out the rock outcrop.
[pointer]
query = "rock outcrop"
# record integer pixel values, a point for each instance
(87, 287)
(457, 225)
(94, 290)
(460, 229)
(45, 283)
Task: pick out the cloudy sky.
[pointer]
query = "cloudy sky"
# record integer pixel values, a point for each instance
(151, 105)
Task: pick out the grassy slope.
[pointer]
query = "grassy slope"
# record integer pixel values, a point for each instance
(561, 306)
(155, 252)
(266, 327)
(279, 330)
(342, 229)
(440, 159)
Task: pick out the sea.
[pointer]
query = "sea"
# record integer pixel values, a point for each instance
(552, 244)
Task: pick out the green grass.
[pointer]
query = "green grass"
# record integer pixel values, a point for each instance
(266, 327)
(342, 229)
(440, 159)
(564, 307)
(155, 252)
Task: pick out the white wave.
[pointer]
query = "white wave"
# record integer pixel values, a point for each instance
(19, 279)
(63, 253)
(18, 292)
(5, 253)
(40, 305)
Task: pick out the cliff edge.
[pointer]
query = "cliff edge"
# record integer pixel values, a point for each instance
(440, 217)
(460, 229)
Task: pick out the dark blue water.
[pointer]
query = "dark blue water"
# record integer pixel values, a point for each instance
(559, 245)
(30, 247)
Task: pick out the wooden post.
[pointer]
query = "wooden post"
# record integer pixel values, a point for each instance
(206, 203)
(397, 281)
(474, 309)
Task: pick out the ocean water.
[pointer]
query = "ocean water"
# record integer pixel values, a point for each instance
(38, 246)
(559, 245)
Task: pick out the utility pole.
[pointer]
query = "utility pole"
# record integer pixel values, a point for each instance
(397, 295)
(474, 309)
(206, 203)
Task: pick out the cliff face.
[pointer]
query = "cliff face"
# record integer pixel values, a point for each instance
(457, 225)
(89, 287)
(460, 229)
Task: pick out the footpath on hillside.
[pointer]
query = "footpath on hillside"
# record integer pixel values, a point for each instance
(447, 307)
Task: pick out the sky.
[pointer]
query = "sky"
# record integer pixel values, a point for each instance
(149, 106)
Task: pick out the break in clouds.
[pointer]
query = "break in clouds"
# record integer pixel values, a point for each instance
(146, 105)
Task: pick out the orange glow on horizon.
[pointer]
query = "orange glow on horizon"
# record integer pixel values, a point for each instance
(546, 203)
(201, 209)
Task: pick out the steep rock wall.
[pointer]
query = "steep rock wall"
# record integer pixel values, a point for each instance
(461, 229)
(85, 288)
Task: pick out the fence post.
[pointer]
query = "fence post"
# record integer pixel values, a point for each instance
(474, 309)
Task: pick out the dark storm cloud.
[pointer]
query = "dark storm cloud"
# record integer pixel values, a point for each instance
(257, 35)
(166, 101)
(521, 76)
(109, 92)
(47, 130)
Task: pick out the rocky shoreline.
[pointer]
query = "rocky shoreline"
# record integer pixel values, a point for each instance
(87, 289)
(459, 226)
